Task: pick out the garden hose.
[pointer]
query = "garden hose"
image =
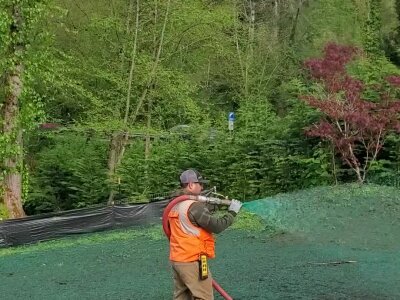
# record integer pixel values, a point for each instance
(167, 230)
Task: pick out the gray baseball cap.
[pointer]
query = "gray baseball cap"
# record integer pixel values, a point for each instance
(192, 176)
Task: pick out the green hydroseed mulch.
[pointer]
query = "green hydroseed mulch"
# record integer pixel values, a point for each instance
(324, 243)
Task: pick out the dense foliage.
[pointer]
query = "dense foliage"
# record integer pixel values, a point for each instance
(129, 93)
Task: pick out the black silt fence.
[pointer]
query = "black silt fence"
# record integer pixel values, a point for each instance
(56, 225)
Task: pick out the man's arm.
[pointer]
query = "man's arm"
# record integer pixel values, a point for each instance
(199, 215)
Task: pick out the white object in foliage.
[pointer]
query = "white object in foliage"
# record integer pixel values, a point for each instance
(231, 120)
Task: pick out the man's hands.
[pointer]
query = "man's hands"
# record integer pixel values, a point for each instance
(235, 206)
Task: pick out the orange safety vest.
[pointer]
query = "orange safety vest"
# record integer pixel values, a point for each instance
(188, 241)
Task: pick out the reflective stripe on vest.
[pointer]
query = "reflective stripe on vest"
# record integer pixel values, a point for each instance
(188, 241)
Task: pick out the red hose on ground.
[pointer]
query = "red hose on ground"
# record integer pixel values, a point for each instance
(167, 232)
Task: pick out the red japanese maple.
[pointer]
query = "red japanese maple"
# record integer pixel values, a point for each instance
(356, 127)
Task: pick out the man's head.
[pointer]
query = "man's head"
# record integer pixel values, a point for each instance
(192, 182)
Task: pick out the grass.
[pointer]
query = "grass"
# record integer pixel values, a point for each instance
(350, 196)
(274, 250)
(245, 221)
(151, 232)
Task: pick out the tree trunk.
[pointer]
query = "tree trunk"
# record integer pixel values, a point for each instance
(11, 127)
(275, 30)
(294, 27)
(250, 45)
(334, 171)
(118, 140)
(148, 139)
(147, 148)
(116, 148)
(354, 163)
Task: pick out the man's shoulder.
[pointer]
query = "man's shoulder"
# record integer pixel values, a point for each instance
(197, 207)
(199, 204)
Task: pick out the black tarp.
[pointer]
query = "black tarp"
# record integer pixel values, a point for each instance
(55, 225)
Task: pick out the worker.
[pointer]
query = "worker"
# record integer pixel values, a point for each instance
(191, 242)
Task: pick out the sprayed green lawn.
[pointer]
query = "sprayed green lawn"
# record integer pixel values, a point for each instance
(255, 260)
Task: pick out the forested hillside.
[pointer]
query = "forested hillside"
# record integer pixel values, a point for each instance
(109, 100)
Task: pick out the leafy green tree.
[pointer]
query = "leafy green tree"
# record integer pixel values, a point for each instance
(20, 104)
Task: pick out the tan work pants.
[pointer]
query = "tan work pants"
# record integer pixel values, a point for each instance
(187, 282)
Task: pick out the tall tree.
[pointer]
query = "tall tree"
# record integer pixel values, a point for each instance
(12, 129)
(372, 28)
(119, 141)
(18, 23)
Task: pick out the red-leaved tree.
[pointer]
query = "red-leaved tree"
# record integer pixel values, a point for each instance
(356, 127)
